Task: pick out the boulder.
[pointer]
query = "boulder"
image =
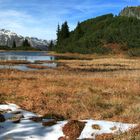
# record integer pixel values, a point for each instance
(2, 119)
(56, 117)
(36, 119)
(16, 112)
(62, 138)
(16, 120)
(96, 126)
(49, 123)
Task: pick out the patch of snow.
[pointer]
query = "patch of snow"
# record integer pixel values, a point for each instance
(29, 130)
(11, 107)
(89, 132)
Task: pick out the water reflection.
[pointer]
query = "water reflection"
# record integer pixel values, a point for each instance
(18, 67)
(28, 56)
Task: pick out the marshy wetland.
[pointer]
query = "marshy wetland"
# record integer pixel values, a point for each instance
(81, 87)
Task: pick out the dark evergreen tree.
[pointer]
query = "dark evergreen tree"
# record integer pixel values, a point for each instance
(51, 46)
(64, 32)
(14, 44)
(58, 34)
(78, 31)
(7, 44)
(26, 43)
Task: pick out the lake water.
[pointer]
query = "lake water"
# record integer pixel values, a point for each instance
(26, 56)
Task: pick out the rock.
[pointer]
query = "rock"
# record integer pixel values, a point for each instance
(96, 126)
(49, 123)
(57, 117)
(113, 128)
(62, 138)
(5, 111)
(72, 130)
(2, 112)
(16, 112)
(20, 116)
(16, 120)
(131, 12)
(2, 119)
(36, 119)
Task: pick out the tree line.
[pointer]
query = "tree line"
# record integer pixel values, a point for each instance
(24, 46)
(92, 35)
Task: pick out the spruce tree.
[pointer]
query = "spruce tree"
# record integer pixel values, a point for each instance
(51, 45)
(14, 44)
(58, 34)
(26, 43)
(64, 33)
(78, 31)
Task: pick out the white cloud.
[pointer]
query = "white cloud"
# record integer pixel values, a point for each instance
(24, 24)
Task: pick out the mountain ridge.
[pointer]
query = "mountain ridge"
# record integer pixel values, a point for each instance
(7, 37)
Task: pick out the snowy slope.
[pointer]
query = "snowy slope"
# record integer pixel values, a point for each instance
(7, 37)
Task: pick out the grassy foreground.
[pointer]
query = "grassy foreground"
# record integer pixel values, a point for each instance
(95, 87)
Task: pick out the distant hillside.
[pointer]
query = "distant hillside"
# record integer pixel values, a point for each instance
(131, 12)
(102, 35)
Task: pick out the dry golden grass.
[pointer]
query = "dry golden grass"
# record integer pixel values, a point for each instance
(101, 88)
(13, 62)
(36, 66)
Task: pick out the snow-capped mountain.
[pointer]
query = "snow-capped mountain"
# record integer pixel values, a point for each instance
(7, 37)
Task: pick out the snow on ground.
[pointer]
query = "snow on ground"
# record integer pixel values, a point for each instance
(105, 126)
(29, 130)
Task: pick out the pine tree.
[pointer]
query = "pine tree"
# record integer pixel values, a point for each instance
(78, 32)
(26, 43)
(58, 34)
(14, 44)
(64, 33)
(51, 45)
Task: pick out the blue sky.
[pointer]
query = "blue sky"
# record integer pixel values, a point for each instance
(39, 18)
